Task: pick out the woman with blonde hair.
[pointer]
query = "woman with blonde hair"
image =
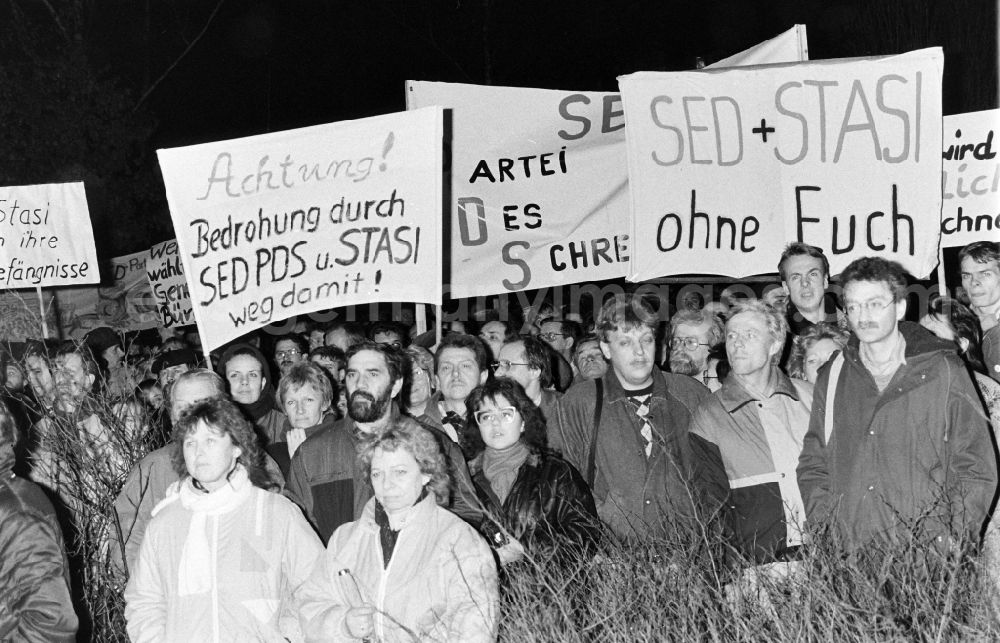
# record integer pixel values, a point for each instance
(408, 569)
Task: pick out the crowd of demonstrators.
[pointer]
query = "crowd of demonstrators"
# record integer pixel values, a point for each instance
(542, 437)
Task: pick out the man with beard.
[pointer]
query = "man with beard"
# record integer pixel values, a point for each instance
(693, 333)
(326, 478)
(898, 445)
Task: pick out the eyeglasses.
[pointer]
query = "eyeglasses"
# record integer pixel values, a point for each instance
(289, 353)
(505, 364)
(871, 307)
(396, 344)
(689, 343)
(506, 415)
(550, 336)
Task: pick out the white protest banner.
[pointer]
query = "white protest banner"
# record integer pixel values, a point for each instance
(125, 304)
(170, 290)
(970, 180)
(45, 236)
(292, 222)
(790, 46)
(726, 166)
(539, 183)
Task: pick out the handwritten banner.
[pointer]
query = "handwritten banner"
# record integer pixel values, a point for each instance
(45, 236)
(970, 180)
(292, 222)
(165, 273)
(540, 182)
(125, 304)
(726, 166)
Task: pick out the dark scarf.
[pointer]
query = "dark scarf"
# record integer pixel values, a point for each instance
(387, 536)
(265, 403)
(500, 466)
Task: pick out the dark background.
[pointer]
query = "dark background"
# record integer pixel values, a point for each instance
(89, 90)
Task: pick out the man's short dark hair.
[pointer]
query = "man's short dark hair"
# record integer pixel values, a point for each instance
(331, 353)
(623, 313)
(538, 355)
(70, 347)
(299, 340)
(981, 252)
(876, 269)
(468, 342)
(796, 249)
(396, 359)
(568, 328)
(381, 327)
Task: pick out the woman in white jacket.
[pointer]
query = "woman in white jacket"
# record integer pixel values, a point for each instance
(407, 570)
(224, 557)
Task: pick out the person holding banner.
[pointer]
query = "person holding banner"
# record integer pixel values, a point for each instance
(629, 430)
(225, 555)
(980, 265)
(406, 569)
(898, 444)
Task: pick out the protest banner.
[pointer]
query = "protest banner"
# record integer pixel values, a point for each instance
(292, 222)
(539, 182)
(726, 166)
(170, 290)
(124, 304)
(790, 46)
(970, 179)
(45, 236)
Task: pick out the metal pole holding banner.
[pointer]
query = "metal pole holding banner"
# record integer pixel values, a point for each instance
(208, 358)
(942, 284)
(421, 318)
(41, 309)
(437, 325)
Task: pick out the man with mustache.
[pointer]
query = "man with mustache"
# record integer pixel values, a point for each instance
(326, 478)
(898, 446)
(980, 265)
(693, 333)
(289, 351)
(627, 432)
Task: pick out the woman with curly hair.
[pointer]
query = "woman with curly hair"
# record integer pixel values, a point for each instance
(813, 348)
(408, 569)
(533, 498)
(224, 558)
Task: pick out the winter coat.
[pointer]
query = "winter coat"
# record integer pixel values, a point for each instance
(759, 461)
(440, 583)
(548, 505)
(260, 551)
(920, 450)
(35, 602)
(326, 479)
(144, 488)
(991, 351)
(636, 496)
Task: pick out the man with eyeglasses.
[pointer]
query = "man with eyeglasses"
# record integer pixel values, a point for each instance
(627, 432)
(980, 266)
(898, 445)
(527, 361)
(389, 332)
(561, 335)
(752, 429)
(693, 333)
(326, 478)
(289, 351)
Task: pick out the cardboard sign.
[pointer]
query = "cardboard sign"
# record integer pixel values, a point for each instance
(726, 166)
(45, 237)
(126, 304)
(292, 222)
(970, 179)
(540, 182)
(165, 273)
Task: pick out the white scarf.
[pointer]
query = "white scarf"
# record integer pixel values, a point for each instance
(194, 575)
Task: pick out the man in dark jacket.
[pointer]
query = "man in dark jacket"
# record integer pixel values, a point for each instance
(628, 432)
(35, 602)
(903, 449)
(326, 478)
